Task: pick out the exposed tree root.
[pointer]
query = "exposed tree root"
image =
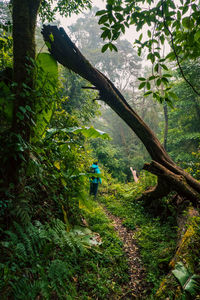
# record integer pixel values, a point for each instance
(161, 190)
(152, 198)
(167, 182)
(175, 182)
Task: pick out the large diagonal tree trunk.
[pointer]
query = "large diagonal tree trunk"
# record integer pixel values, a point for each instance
(66, 53)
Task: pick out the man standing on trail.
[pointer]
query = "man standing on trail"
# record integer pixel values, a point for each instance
(94, 180)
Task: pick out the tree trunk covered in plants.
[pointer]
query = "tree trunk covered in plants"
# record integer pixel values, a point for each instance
(66, 53)
(24, 23)
(185, 260)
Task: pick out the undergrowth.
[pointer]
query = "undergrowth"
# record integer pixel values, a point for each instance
(45, 261)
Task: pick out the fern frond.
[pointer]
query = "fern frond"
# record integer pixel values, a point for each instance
(22, 210)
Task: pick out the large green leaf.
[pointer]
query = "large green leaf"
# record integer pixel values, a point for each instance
(86, 236)
(192, 285)
(48, 64)
(47, 77)
(187, 280)
(181, 273)
(88, 132)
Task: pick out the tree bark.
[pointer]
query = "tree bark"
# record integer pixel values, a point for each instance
(24, 22)
(66, 53)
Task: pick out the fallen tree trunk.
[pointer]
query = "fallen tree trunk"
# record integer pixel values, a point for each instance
(66, 53)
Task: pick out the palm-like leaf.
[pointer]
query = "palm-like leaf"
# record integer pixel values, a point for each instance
(187, 280)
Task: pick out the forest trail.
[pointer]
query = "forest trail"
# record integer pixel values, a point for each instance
(137, 287)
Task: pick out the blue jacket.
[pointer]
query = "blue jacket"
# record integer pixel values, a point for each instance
(96, 171)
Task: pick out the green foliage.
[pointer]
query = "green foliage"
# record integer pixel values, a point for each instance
(194, 167)
(88, 132)
(159, 86)
(162, 17)
(41, 259)
(47, 261)
(157, 241)
(64, 7)
(167, 22)
(49, 255)
(188, 281)
(58, 168)
(62, 157)
(6, 96)
(6, 44)
(78, 101)
(48, 65)
(183, 134)
(111, 157)
(47, 80)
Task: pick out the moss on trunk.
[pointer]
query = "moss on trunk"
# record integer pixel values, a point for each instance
(187, 253)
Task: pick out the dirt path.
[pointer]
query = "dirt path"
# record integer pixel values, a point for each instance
(137, 288)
